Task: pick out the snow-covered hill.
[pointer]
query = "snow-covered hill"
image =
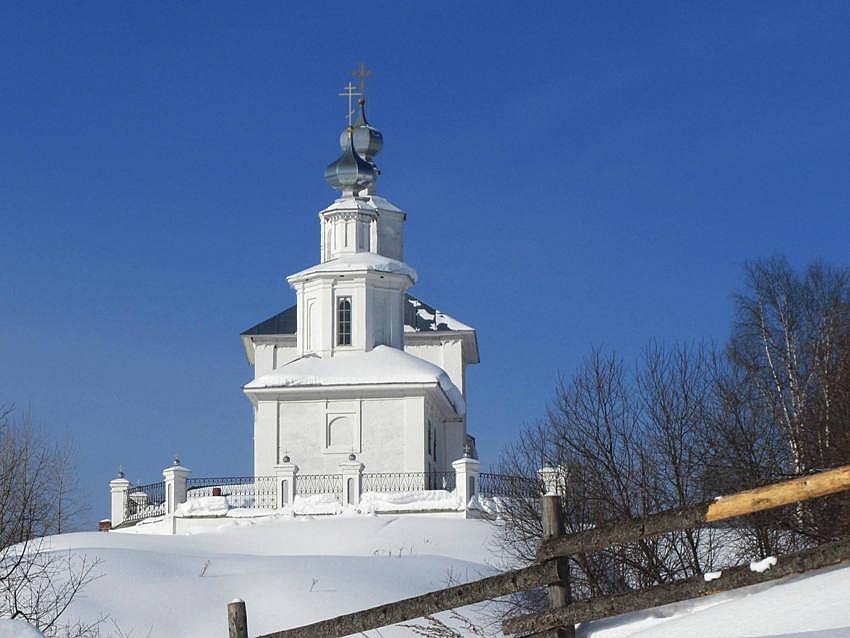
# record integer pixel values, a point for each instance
(294, 571)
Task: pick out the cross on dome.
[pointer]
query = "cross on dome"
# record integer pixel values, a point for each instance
(360, 142)
(349, 92)
(362, 72)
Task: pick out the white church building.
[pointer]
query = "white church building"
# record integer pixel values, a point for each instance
(359, 389)
(359, 370)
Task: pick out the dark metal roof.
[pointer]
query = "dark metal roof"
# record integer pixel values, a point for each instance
(283, 323)
(286, 322)
(414, 318)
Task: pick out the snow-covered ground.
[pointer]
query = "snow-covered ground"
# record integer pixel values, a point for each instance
(294, 571)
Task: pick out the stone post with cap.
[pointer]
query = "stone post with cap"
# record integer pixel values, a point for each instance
(176, 479)
(466, 477)
(352, 473)
(285, 476)
(119, 488)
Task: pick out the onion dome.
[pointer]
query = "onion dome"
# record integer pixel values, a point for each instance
(368, 140)
(350, 173)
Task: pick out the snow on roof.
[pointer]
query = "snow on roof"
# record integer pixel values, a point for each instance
(384, 204)
(380, 365)
(418, 317)
(373, 204)
(358, 262)
(346, 202)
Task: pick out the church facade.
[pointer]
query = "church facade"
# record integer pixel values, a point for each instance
(359, 370)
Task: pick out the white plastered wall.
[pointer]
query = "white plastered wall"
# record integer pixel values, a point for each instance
(389, 435)
(450, 434)
(265, 437)
(445, 352)
(271, 353)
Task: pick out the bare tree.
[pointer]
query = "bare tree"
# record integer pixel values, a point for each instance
(789, 337)
(689, 423)
(627, 443)
(790, 342)
(36, 584)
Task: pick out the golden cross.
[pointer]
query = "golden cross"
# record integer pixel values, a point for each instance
(362, 72)
(349, 93)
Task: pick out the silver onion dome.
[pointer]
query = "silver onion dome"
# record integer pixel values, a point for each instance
(368, 140)
(350, 173)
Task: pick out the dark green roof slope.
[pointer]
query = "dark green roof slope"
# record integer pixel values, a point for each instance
(286, 322)
(283, 323)
(424, 320)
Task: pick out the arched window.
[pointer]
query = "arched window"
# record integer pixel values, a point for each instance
(311, 331)
(343, 321)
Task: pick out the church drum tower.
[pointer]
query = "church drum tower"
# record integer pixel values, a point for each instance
(359, 366)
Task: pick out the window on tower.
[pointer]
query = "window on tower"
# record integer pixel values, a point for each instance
(343, 321)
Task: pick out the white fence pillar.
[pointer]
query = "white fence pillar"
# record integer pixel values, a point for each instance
(119, 487)
(352, 471)
(285, 477)
(554, 480)
(176, 477)
(466, 479)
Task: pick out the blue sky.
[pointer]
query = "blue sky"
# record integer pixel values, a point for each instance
(575, 174)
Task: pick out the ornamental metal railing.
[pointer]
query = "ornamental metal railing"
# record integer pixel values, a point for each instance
(145, 501)
(318, 484)
(507, 486)
(391, 482)
(259, 492)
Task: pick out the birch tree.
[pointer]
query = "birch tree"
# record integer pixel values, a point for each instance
(789, 337)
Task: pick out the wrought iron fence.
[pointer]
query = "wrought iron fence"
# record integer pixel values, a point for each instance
(145, 501)
(508, 486)
(315, 484)
(241, 491)
(388, 482)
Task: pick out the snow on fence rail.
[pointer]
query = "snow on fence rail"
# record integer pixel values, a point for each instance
(319, 484)
(259, 492)
(504, 485)
(551, 568)
(391, 482)
(145, 501)
(453, 490)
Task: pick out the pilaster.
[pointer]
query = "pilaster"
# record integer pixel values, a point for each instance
(119, 488)
(176, 479)
(285, 477)
(352, 471)
(466, 479)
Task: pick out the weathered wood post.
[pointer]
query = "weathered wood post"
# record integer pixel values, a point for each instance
(237, 619)
(559, 593)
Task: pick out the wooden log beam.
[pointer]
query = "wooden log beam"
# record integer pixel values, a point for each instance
(426, 604)
(826, 555)
(721, 508)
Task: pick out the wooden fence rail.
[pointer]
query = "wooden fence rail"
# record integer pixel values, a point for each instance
(550, 568)
(426, 604)
(721, 508)
(822, 556)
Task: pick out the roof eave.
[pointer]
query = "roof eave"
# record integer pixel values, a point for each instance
(469, 338)
(380, 389)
